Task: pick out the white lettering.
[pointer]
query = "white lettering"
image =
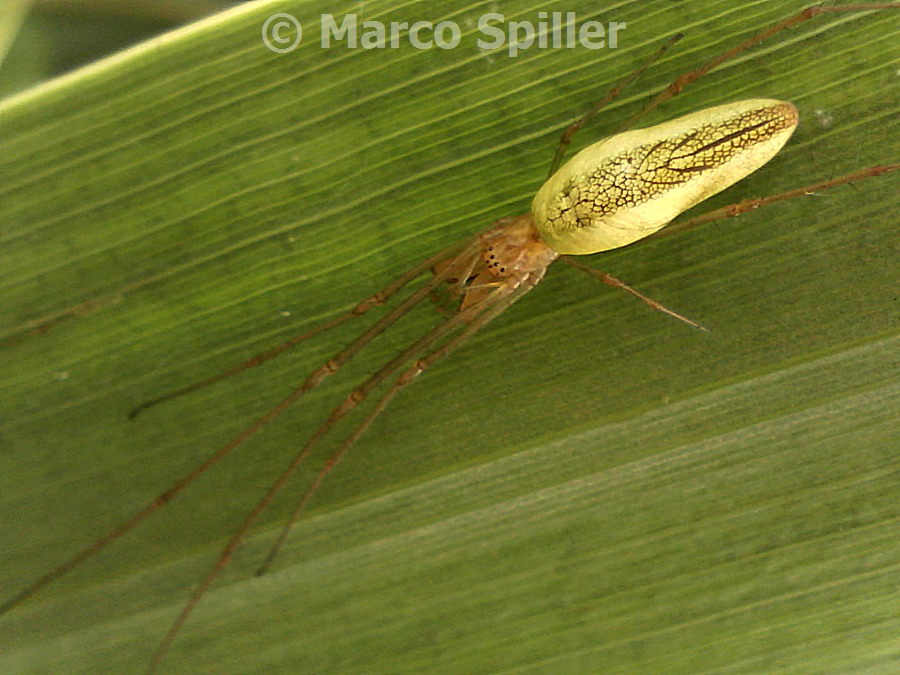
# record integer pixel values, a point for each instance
(493, 31)
(591, 35)
(414, 35)
(614, 27)
(396, 27)
(553, 30)
(440, 39)
(517, 43)
(373, 35)
(330, 30)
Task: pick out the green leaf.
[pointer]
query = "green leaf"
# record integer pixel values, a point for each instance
(587, 486)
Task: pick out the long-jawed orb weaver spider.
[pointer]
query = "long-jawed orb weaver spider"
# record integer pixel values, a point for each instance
(470, 266)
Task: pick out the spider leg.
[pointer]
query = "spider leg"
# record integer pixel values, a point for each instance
(613, 94)
(752, 204)
(728, 212)
(361, 308)
(312, 381)
(692, 76)
(612, 281)
(502, 300)
(459, 284)
(475, 316)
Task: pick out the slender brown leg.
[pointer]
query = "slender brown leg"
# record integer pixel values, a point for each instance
(504, 301)
(752, 204)
(314, 379)
(361, 308)
(729, 211)
(476, 316)
(692, 76)
(612, 95)
(612, 281)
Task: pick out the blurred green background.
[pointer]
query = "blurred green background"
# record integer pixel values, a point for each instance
(40, 39)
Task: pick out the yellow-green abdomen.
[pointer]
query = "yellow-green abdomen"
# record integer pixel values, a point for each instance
(630, 185)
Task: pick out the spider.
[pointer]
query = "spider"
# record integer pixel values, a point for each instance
(504, 263)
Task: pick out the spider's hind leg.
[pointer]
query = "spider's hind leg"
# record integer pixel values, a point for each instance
(691, 76)
(739, 208)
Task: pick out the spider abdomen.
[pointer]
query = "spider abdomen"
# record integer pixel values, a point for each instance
(630, 185)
